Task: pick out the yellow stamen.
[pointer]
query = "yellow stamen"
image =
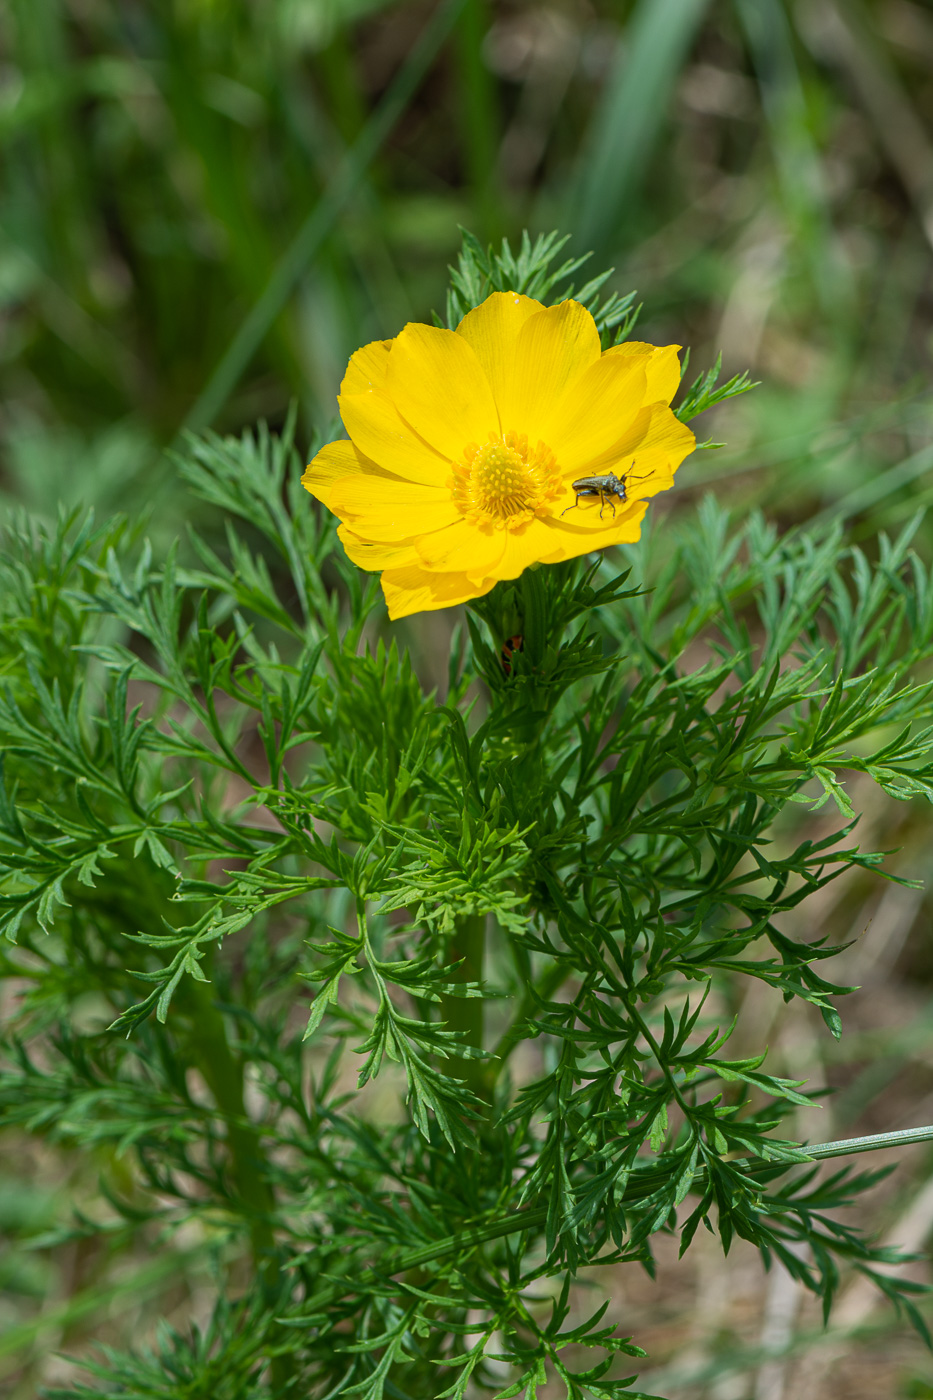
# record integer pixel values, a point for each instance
(502, 485)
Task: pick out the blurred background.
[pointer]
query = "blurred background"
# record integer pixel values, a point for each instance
(207, 206)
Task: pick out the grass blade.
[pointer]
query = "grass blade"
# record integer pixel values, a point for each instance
(322, 219)
(799, 170)
(635, 105)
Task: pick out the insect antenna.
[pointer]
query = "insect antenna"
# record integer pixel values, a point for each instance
(627, 478)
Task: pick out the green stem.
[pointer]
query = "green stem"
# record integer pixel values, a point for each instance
(545, 987)
(535, 1219)
(845, 1147)
(223, 1073)
(224, 1076)
(465, 1014)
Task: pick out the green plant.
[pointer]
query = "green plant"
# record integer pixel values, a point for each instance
(224, 787)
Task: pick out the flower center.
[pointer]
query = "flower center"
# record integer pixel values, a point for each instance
(504, 483)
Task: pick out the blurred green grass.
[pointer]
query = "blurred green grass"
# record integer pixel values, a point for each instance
(205, 208)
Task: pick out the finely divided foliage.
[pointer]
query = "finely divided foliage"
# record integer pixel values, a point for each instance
(223, 801)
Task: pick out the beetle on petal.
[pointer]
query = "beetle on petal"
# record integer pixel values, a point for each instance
(605, 487)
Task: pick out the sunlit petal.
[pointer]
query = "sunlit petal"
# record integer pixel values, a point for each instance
(374, 424)
(367, 554)
(600, 405)
(411, 590)
(439, 388)
(336, 460)
(656, 441)
(389, 510)
(491, 331)
(624, 527)
(461, 548)
(552, 348)
(367, 369)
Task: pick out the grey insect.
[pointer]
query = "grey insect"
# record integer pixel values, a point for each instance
(605, 487)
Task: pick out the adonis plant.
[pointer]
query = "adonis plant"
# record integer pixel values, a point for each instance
(386, 994)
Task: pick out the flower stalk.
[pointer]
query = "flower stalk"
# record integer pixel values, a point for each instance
(466, 1014)
(223, 1074)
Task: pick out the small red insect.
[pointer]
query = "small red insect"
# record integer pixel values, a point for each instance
(510, 645)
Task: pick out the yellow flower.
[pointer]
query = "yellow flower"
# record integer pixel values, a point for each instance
(464, 446)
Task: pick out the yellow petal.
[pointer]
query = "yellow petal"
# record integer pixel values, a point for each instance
(499, 553)
(366, 554)
(439, 388)
(411, 590)
(335, 460)
(552, 348)
(663, 374)
(662, 370)
(388, 511)
(462, 548)
(600, 405)
(492, 329)
(570, 543)
(373, 422)
(585, 518)
(538, 542)
(626, 531)
(367, 369)
(656, 442)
